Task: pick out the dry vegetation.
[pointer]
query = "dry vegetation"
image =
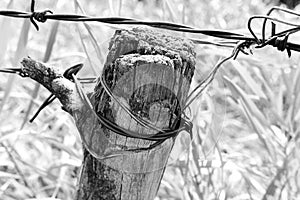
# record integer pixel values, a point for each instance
(246, 125)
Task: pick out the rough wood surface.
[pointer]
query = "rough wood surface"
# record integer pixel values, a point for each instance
(150, 73)
(52, 78)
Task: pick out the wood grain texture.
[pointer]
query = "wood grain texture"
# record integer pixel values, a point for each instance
(150, 73)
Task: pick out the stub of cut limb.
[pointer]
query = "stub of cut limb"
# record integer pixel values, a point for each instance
(54, 80)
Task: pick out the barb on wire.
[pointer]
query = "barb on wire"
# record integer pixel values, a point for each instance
(47, 14)
(278, 40)
(269, 13)
(266, 18)
(39, 16)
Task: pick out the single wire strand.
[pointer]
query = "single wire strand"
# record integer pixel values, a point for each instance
(203, 84)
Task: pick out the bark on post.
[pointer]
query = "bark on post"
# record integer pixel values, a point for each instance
(149, 73)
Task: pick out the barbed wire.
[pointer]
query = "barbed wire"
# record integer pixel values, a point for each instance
(239, 42)
(45, 15)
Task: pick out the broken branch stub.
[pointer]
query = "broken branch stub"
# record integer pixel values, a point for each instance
(52, 78)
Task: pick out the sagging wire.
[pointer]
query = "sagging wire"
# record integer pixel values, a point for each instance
(210, 77)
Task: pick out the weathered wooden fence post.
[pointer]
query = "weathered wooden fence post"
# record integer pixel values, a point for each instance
(149, 73)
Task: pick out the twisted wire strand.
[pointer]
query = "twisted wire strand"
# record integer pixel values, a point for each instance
(47, 14)
(270, 12)
(297, 26)
(123, 21)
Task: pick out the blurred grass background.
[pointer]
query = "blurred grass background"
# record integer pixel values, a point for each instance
(246, 124)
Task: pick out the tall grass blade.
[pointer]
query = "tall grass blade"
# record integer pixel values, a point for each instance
(251, 83)
(252, 114)
(275, 187)
(86, 52)
(171, 8)
(51, 41)
(57, 144)
(257, 128)
(6, 31)
(20, 52)
(120, 7)
(296, 96)
(111, 7)
(5, 35)
(93, 40)
(238, 92)
(264, 78)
